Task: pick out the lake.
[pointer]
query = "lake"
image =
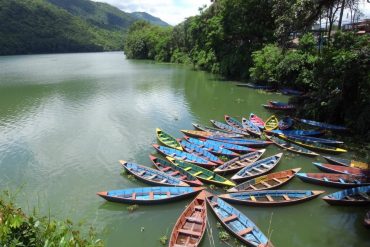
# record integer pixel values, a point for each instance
(66, 120)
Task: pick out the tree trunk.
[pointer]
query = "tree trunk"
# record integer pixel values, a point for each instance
(341, 15)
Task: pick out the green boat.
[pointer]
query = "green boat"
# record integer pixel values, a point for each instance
(201, 173)
(167, 140)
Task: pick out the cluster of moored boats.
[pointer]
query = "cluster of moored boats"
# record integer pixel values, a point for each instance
(208, 154)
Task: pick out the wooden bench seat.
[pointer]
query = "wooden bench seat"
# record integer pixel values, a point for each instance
(197, 173)
(189, 232)
(166, 169)
(174, 173)
(152, 177)
(195, 220)
(245, 231)
(151, 195)
(253, 198)
(269, 198)
(133, 196)
(230, 218)
(277, 180)
(266, 184)
(286, 197)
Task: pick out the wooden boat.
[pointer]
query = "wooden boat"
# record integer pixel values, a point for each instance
(290, 146)
(278, 103)
(202, 173)
(296, 132)
(167, 140)
(257, 168)
(279, 107)
(204, 134)
(175, 171)
(367, 219)
(314, 145)
(151, 176)
(237, 223)
(233, 122)
(322, 125)
(149, 195)
(251, 127)
(289, 91)
(177, 154)
(359, 196)
(203, 153)
(210, 147)
(341, 169)
(314, 139)
(217, 131)
(271, 197)
(271, 123)
(266, 182)
(230, 146)
(229, 128)
(257, 121)
(334, 180)
(255, 86)
(239, 162)
(345, 162)
(191, 225)
(286, 123)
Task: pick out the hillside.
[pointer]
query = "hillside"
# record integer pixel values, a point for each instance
(149, 18)
(55, 26)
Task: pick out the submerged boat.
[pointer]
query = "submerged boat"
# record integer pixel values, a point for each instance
(257, 168)
(334, 180)
(355, 196)
(167, 139)
(314, 139)
(149, 195)
(346, 162)
(314, 145)
(237, 223)
(217, 131)
(290, 146)
(229, 128)
(271, 197)
(239, 162)
(191, 225)
(203, 153)
(266, 182)
(202, 173)
(229, 146)
(341, 169)
(151, 176)
(211, 147)
(271, 123)
(175, 171)
(286, 123)
(177, 154)
(251, 127)
(257, 121)
(322, 125)
(296, 132)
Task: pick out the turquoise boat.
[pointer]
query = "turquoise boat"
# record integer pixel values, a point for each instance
(230, 146)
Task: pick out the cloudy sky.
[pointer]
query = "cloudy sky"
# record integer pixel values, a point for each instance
(175, 11)
(171, 11)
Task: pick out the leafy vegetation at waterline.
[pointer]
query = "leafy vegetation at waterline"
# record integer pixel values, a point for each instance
(18, 229)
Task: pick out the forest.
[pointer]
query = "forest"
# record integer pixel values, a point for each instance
(253, 41)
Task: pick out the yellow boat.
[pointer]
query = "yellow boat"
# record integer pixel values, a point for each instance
(271, 123)
(167, 140)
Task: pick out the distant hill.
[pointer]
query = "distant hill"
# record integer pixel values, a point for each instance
(54, 26)
(149, 18)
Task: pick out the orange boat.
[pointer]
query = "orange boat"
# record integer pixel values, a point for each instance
(191, 225)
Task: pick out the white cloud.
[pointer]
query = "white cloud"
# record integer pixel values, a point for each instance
(170, 11)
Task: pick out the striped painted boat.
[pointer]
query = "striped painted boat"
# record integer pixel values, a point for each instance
(314, 139)
(177, 154)
(149, 195)
(334, 180)
(251, 127)
(229, 128)
(257, 168)
(175, 171)
(290, 146)
(341, 169)
(296, 132)
(151, 176)
(216, 131)
(237, 223)
(359, 196)
(314, 145)
(210, 147)
(346, 162)
(239, 162)
(322, 125)
(230, 146)
(203, 153)
(233, 122)
(205, 134)
(271, 197)
(257, 121)
(167, 139)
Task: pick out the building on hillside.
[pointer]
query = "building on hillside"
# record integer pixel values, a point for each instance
(361, 27)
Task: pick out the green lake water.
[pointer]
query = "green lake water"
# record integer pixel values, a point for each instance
(66, 120)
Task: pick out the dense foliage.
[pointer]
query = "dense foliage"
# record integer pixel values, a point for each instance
(18, 229)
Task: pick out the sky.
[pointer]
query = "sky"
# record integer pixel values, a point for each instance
(175, 11)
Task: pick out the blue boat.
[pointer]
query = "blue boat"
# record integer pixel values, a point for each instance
(216, 131)
(216, 149)
(359, 196)
(296, 132)
(256, 86)
(258, 168)
(322, 125)
(149, 195)
(315, 139)
(251, 127)
(229, 128)
(203, 153)
(286, 123)
(237, 223)
(289, 91)
(242, 142)
(181, 155)
(278, 103)
(334, 180)
(151, 176)
(230, 146)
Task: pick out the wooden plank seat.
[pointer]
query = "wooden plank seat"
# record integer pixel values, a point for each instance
(364, 195)
(325, 179)
(197, 173)
(195, 220)
(256, 169)
(199, 208)
(230, 218)
(187, 168)
(151, 195)
(269, 198)
(141, 173)
(253, 198)
(189, 232)
(341, 181)
(133, 196)
(253, 187)
(174, 173)
(163, 180)
(166, 169)
(265, 184)
(349, 198)
(183, 177)
(152, 177)
(210, 177)
(286, 197)
(168, 193)
(214, 204)
(239, 163)
(249, 173)
(245, 231)
(277, 180)
(266, 166)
